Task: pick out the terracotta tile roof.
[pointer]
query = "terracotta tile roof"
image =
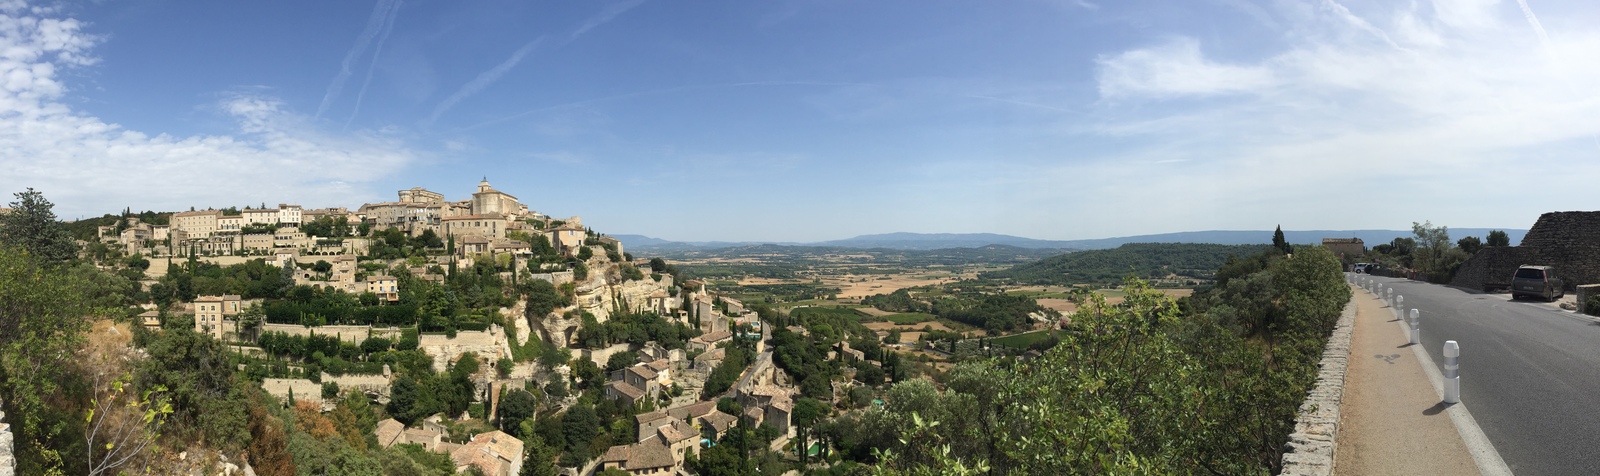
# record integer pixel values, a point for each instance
(677, 431)
(767, 391)
(718, 421)
(643, 418)
(388, 432)
(649, 454)
(493, 452)
(782, 403)
(643, 371)
(714, 337)
(693, 410)
(625, 389)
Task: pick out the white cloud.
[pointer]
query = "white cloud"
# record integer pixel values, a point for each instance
(1436, 111)
(1175, 69)
(88, 167)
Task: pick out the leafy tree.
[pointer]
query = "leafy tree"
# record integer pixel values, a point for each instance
(503, 367)
(44, 315)
(580, 425)
(658, 265)
(250, 320)
(542, 299)
(1498, 238)
(585, 253)
(807, 413)
(1432, 243)
(540, 459)
(31, 225)
(410, 401)
(268, 452)
(1470, 244)
(208, 401)
(516, 406)
(330, 390)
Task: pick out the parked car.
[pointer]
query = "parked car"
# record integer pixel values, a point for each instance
(1537, 281)
(1361, 267)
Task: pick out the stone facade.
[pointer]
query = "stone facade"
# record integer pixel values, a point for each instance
(1568, 241)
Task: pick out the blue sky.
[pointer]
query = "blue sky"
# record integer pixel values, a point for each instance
(814, 120)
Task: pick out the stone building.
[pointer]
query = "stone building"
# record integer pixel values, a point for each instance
(210, 311)
(488, 200)
(197, 224)
(490, 225)
(1568, 241)
(386, 287)
(1345, 247)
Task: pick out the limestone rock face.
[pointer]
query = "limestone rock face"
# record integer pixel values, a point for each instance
(490, 345)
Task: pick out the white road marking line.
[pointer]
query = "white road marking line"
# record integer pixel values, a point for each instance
(1483, 452)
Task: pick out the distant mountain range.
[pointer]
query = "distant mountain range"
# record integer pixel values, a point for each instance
(933, 241)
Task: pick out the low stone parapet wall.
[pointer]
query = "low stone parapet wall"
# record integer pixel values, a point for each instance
(1311, 447)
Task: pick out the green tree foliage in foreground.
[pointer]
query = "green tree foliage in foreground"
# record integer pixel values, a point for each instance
(43, 316)
(32, 226)
(1147, 386)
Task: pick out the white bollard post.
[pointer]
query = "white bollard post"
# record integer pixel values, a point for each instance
(1399, 307)
(1390, 293)
(1416, 327)
(1452, 372)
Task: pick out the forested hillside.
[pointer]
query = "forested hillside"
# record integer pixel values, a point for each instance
(1142, 260)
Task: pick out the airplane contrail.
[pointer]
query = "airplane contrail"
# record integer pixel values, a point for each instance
(374, 24)
(361, 94)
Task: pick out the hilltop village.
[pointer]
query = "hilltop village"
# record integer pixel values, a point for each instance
(477, 323)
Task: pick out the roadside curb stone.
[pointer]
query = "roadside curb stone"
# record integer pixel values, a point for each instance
(1311, 446)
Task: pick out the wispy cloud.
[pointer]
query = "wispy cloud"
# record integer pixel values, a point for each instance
(377, 52)
(483, 81)
(487, 78)
(610, 12)
(1175, 69)
(382, 14)
(1444, 101)
(88, 166)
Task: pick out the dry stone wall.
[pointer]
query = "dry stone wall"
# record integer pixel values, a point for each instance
(1569, 241)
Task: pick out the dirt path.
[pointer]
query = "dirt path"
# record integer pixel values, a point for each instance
(1391, 421)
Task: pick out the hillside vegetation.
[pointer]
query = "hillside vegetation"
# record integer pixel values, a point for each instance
(1148, 386)
(1141, 260)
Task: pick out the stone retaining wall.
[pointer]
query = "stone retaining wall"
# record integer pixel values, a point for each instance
(351, 334)
(1311, 447)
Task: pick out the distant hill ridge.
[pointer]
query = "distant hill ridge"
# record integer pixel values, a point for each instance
(931, 241)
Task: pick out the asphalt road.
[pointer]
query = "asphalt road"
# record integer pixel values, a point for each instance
(1530, 373)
